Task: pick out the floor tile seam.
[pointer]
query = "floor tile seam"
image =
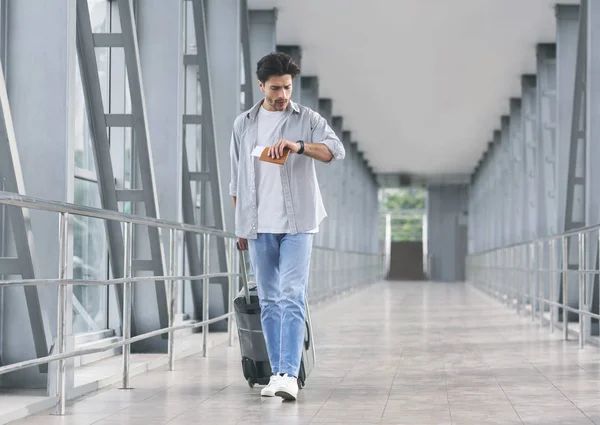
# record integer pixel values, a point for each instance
(501, 387)
(559, 390)
(330, 395)
(124, 408)
(391, 388)
(447, 394)
(170, 420)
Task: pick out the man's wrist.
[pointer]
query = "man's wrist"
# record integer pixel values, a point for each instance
(301, 150)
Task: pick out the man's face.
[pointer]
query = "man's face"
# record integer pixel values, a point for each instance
(278, 91)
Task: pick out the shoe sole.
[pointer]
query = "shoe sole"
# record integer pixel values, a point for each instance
(285, 395)
(268, 395)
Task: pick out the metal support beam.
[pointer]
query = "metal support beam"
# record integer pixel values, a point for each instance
(591, 20)
(570, 145)
(211, 212)
(23, 263)
(571, 138)
(144, 318)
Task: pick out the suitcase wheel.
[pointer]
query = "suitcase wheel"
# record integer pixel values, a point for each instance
(250, 383)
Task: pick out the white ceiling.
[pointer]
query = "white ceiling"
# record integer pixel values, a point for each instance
(420, 83)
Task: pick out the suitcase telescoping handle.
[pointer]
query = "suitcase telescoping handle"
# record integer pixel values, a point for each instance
(244, 274)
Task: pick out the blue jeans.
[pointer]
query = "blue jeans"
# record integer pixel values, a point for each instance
(281, 265)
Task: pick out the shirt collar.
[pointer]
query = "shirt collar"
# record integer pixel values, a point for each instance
(253, 112)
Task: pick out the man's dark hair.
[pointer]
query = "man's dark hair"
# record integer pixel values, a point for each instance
(276, 64)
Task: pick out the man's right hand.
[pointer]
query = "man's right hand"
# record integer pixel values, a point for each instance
(242, 244)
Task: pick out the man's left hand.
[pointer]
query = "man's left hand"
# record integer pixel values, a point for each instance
(276, 151)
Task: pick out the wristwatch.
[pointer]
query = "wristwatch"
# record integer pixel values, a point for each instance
(301, 151)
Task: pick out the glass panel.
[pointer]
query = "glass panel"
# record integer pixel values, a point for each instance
(90, 303)
(99, 10)
(84, 154)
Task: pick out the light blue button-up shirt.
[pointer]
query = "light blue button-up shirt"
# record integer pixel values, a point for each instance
(303, 201)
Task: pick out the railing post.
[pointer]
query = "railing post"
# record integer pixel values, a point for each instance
(128, 239)
(171, 297)
(534, 281)
(552, 279)
(517, 278)
(565, 267)
(232, 279)
(541, 265)
(205, 291)
(61, 381)
(581, 250)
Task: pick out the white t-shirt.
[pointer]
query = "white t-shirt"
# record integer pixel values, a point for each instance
(272, 216)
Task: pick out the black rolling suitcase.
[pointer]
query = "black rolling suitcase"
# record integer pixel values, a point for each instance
(255, 359)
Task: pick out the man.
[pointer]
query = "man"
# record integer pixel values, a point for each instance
(278, 208)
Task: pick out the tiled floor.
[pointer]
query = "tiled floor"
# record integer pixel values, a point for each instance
(395, 353)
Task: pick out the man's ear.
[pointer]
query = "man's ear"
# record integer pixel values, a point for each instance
(261, 86)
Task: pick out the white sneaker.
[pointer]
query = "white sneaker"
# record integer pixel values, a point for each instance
(287, 387)
(269, 390)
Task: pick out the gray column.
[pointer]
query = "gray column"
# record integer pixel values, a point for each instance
(224, 48)
(505, 170)
(570, 195)
(546, 136)
(529, 109)
(262, 41)
(296, 53)
(446, 230)
(325, 107)
(570, 146)
(337, 124)
(247, 99)
(310, 92)
(161, 56)
(41, 67)
(351, 157)
(517, 176)
(343, 221)
(592, 134)
(497, 195)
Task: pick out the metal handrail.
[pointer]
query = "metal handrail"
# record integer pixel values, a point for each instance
(30, 202)
(527, 259)
(549, 238)
(14, 199)
(43, 282)
(65, 210)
